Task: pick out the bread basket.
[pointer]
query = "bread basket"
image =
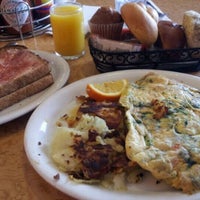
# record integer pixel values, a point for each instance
(182, 60)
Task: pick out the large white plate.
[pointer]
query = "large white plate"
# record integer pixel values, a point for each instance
(60, 71)
(41, 127)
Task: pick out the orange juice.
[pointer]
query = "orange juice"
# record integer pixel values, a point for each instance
(68, 29)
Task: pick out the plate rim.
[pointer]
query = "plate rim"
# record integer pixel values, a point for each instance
(73, 191)
(58, 83)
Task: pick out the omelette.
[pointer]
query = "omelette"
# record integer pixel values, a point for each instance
(163, 137)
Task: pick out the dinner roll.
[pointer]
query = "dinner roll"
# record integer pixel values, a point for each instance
(191, 24)
(140, 22)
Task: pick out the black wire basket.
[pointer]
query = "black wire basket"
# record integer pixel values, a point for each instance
(38, 21)
(182, 60)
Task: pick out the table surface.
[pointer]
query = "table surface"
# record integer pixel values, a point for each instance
(18, 180)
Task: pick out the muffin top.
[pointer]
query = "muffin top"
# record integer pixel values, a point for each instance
(106, 15)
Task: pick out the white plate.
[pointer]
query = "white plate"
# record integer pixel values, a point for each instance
(60, 71)
(41, 126)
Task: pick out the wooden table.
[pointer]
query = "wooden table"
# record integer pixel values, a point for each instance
(18, 180)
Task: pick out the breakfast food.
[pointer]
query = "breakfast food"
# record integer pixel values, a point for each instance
(153, 13)
(107, 23)
(154, 127)
(150, 10)
(172, 35)
(26, 91)
(191, 24)
(114, 46)
(22, 74)
(163, 130)
(110, 90)
(148, 41)
(106, 15)
(89, 144)
(19, 67)
(140, 22)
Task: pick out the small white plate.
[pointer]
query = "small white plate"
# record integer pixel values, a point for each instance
(60, 71)
(41, 126)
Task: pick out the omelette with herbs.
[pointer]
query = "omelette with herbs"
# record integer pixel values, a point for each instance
(155, 126)
(163, 119)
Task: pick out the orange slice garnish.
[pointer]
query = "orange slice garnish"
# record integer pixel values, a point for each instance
(107, 90)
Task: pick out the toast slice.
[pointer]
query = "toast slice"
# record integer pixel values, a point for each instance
(26, 91)
(18, 67)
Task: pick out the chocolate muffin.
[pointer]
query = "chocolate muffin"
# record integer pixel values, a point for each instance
(107, 23)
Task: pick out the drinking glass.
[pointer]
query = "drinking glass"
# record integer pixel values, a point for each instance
(68, 29)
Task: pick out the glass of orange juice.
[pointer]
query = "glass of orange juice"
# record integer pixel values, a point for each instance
(68, 29)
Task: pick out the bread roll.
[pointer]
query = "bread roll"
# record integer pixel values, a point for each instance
(191, 24)
(114, 46)
(150, 10)
(140, 22)
(172, 35)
